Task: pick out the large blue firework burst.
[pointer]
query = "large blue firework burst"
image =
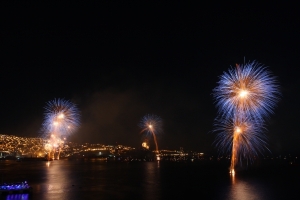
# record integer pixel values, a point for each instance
(61, 118)
(249, 89)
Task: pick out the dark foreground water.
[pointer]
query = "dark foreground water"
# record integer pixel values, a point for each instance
(95, 179)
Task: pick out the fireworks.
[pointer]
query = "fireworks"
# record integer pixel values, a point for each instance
(61, 119)
(248, 89)
(245, 96)
(243, 137)
(152, 124)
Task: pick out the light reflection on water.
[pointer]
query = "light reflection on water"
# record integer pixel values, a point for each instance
(17, 197)
(152, 184)
(95, 179)
(60, 181)
(242, 190)
(247, 188)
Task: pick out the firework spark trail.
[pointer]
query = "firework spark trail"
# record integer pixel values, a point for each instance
(152, 124)
(245, 96)
(244, 138)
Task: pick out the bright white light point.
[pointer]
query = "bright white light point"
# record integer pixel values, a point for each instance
(55, 123)
(243, 93)
(144, 144)
(232, 172)
(238, 130)
(61, 116)
(150, 126)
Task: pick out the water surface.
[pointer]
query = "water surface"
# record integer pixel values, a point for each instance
(97, 179)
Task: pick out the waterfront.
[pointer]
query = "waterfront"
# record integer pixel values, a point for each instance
(97, 179)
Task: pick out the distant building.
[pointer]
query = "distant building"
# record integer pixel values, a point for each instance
(3, 154)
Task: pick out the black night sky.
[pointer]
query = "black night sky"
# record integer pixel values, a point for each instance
(121, 60)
